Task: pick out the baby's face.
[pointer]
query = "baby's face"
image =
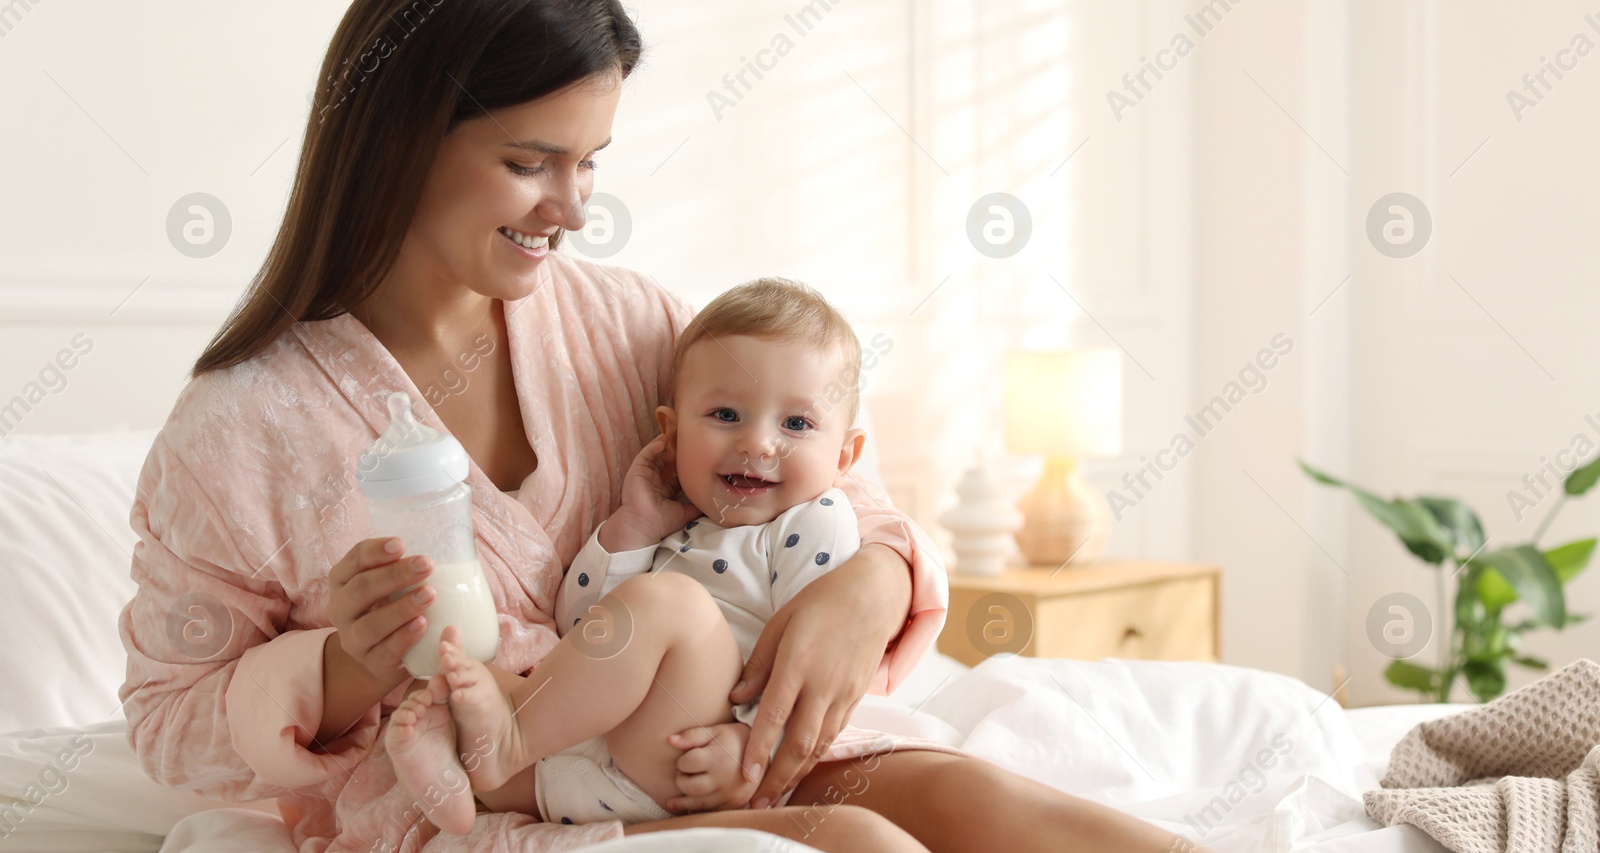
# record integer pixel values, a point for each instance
(761, 426)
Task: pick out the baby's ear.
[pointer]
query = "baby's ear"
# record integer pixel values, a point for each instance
(850, 451)
(667, 419)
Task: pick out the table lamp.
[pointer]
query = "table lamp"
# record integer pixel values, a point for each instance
(1064, 405)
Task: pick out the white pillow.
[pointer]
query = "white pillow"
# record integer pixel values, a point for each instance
(81, 790)
(65, 572)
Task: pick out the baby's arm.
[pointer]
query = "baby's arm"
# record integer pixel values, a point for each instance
(624, 544)
(594, 573)
(709, 774)
(650, 508)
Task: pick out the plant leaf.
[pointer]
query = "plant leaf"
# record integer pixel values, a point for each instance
(1583, 479)
(1419, 530)
(1458, 520)
(1495, 639)
(1495, 592)
(1570, 559)
(1412, 677)
(1486, 679)
(1469, 609)
(1526, 570)
(1532, 663)
(1320, 477)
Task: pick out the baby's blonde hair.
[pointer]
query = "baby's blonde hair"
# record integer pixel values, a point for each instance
(778, 309)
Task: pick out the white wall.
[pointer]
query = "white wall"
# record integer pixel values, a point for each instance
(1475, 358)
(851, 165)
(1453, 371)
(1218, 212)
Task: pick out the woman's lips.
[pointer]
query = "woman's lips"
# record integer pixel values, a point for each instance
(534, 254)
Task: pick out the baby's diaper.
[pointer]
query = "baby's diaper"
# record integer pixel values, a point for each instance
(746, 713)
(583, 785)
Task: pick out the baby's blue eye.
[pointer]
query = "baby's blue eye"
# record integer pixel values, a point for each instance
(731, 415)
(796, 423)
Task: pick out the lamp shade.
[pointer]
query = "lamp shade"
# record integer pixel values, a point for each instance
(1064, 403)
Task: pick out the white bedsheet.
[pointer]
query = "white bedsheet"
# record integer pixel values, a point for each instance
(1245, 760)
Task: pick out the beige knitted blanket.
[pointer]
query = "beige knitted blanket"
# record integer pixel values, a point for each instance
(1520, 774)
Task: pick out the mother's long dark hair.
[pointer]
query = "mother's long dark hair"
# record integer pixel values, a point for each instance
(398, 77)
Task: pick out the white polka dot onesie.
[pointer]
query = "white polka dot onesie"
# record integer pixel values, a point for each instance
(751, 571)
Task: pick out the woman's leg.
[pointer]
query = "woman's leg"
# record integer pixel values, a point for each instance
(962, 804)
(654, 657)
(847, 828)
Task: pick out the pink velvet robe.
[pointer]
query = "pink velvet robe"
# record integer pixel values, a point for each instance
(248, 498)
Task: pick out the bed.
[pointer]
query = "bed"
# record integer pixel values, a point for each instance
(1243, 759)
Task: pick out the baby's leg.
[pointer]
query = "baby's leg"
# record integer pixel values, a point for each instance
(421, 740)
(604, 673)
(519, 793)
(691, 689)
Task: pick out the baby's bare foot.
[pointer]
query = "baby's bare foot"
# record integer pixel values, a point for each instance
(421, 739)
(485, 721)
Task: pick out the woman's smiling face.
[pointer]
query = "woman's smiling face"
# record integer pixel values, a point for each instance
(528, 169)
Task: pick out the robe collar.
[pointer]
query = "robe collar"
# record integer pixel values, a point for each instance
(515, 529)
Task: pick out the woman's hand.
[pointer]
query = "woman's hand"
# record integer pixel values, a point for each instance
(650, 508)
(372, 630)
(709, 773)
(814, 661)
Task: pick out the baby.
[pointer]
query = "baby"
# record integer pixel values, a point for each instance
(757, 439)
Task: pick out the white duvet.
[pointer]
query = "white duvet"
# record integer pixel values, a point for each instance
(1241, 759)
(1247, 760)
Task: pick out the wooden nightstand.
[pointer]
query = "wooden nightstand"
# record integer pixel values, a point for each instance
(1124, 609)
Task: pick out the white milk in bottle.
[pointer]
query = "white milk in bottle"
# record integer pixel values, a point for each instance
(414, 480)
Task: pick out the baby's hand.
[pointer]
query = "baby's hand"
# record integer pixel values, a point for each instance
(709, 775)
(650, 510)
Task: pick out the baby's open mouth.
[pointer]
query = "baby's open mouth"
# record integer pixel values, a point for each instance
(741, 481)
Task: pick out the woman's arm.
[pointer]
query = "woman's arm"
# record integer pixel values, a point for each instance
(814, 661)
(887, 578)
(861, 628)
(213, 688)
(880, 523)
(348, 689)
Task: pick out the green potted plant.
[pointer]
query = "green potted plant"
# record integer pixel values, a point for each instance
(1441, 531)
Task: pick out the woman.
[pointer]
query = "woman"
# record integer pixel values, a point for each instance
(451, 145)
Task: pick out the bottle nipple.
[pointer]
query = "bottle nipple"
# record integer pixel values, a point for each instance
(409, 457)
(404, 428)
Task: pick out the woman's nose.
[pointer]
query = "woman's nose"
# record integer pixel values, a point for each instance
(563, 204)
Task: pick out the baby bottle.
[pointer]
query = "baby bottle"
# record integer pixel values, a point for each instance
(413, 478)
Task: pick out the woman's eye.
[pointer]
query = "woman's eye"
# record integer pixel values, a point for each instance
(530, 171)
(797, 423)
(727, 416)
